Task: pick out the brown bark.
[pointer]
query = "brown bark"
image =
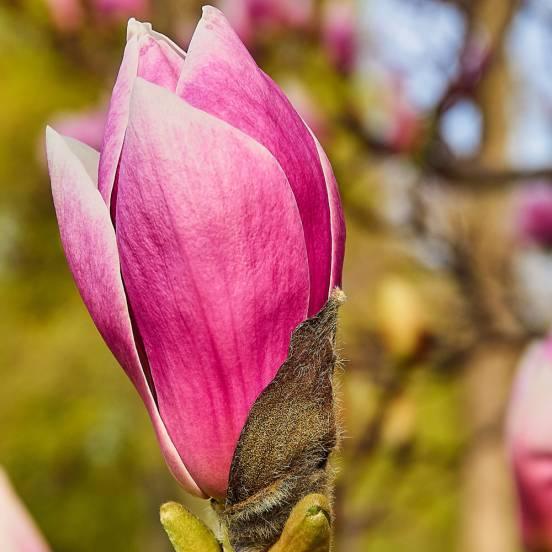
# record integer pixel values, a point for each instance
(488, 513)
(487, 523)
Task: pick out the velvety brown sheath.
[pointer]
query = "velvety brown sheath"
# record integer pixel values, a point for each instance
(282, 454)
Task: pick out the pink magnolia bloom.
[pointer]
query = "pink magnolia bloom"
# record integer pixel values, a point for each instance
(18, 533)
(529, 437)
(250, 16)
(339, 33)
(209, 227)
(403, 124)
(404, 129)
(121, 9)
(304, 104)
(67, 15)
(85, 126)
(534, 214)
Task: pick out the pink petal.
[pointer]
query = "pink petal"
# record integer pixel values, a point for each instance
(221, 78)
(121, 9)
(214, 262)
(90, 246)
(18, 532)
(336, 217)
(339, 33)
(85, 126)
(530, 444)
(67, 15)
(151, 56)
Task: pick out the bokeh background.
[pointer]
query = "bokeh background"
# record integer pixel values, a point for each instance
(437, 116)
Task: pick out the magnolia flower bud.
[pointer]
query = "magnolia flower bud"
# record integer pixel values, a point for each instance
(530, 445)
(308, 527)
(121, 9)
(401, 318)
(339, 33)
(186, 532)
(66, 15)
(70, 15)
(85, 126)
(534, 214)
(250, 17)
(18, 532)
(205, 232)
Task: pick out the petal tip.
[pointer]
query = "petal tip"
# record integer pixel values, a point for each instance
(53, 141)
(51, 134)
(137, 28)
(210, 12)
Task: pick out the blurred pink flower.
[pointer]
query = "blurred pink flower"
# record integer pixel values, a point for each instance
(303, 102)
(404, 125)
(67, 15)
(229, 233)
(339, 32)
(85, 126)
(121, 9)
(18, 533)
(534, 213)
(529, 438)
(249, 17)
(404, 129)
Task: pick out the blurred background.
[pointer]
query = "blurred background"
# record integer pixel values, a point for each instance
(437, 117)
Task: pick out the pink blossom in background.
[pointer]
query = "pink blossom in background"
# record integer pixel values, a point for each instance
(404, 124)
(304, 104)
(121, 9)
(533, 211)
(18, 533)
(67, 15)
(85, 126)
(529, 438)
(249, 17)
(229, 233)
(404, 129)
(339, 33)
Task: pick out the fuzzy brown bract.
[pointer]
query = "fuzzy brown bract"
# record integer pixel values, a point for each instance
(283, 450)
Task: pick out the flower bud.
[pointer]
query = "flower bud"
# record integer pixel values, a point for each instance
(186, 532)
(250, 17)
(18, 532)
(529, 441)
(534, 214)
(85, 126)
(205, 232)
(339, 33)
(66, 15)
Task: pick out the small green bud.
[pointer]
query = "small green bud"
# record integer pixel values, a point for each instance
(186, 532)
(307, 528)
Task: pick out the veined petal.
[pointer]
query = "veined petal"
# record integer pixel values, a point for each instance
(214, 263)
(90, 246)
(221, 78)
(152, 56)
(337, 219)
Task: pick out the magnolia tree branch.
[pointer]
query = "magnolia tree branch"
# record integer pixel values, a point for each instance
(438, 160)
(476, 60)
